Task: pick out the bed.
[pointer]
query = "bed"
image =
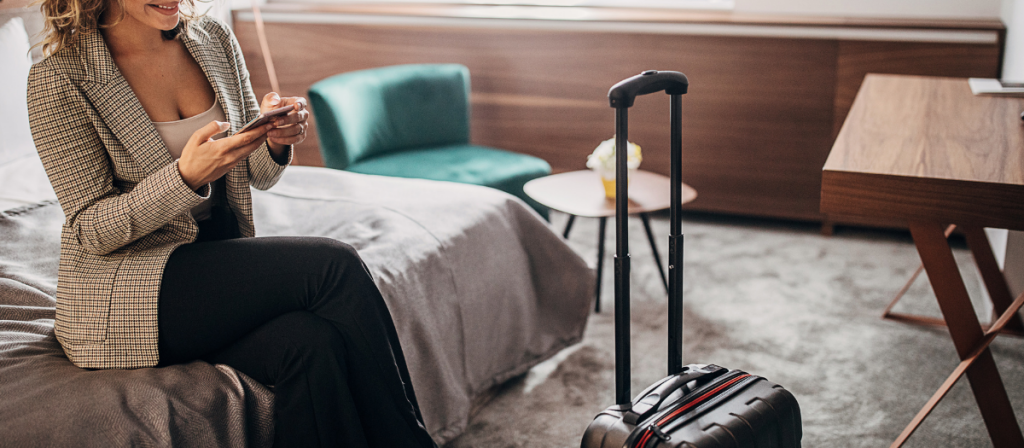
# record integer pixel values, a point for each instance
(481, 289)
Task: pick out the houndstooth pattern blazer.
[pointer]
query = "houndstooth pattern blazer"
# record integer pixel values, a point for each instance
(125, 203)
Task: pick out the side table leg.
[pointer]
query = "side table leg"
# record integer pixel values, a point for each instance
(654, 249)
(568, 226)
(994, 280)
(966, 333)
(600, 261)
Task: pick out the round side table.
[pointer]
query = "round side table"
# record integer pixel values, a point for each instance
(580, 193)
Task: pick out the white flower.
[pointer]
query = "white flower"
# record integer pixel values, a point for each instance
(603, 158)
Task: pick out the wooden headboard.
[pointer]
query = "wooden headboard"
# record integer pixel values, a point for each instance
(32, 17)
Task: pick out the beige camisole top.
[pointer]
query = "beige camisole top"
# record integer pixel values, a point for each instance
(175, 135)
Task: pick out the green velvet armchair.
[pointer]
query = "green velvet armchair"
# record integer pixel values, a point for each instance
(413, 121)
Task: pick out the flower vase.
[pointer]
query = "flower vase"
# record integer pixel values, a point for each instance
(608, 180)
(603, 161)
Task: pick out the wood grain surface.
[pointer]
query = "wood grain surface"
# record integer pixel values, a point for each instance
(857, 59)
(756, 127)
(926, 149)
(758, 121)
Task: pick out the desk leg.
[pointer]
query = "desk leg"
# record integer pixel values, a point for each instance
(995, 282)
(600, 261)
(966, 333)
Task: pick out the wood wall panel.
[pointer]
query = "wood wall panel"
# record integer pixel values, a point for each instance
(857, 59)
(544, 93)
(758, 122)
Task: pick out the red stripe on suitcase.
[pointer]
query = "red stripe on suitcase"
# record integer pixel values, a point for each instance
(674, 414)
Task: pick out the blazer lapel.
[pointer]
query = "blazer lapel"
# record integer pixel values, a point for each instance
(199, 46)
(212, 59)
(116, 102)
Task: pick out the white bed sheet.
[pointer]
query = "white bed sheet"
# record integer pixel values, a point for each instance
(23, 181)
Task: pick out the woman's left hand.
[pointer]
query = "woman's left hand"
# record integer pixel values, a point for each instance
(290, 129)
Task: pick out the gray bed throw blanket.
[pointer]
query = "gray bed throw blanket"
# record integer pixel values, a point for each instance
(47, 401)
(479, 286)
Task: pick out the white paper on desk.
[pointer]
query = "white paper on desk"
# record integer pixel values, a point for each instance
(990, 86)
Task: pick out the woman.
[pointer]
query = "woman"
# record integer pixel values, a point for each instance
(157, 261)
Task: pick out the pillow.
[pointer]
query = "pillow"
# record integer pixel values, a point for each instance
(15, 61)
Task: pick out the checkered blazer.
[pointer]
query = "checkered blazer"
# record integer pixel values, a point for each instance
(125, 203)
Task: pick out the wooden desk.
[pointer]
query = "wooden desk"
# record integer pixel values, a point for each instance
(927, 152)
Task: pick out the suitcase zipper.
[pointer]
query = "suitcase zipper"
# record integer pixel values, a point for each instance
(655, 428)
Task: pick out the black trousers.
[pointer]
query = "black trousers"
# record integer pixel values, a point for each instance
(303, 315)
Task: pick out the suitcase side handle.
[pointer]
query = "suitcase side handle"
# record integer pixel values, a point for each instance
(652, 400)
(625, 92)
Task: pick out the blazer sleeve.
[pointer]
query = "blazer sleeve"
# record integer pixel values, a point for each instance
(98, 213)
(264, 172)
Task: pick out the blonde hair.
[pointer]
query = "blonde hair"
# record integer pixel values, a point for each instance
(65, 20)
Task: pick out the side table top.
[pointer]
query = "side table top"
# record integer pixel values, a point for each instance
(581, 193)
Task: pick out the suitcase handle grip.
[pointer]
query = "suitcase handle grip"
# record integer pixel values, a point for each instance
(625, 92)
(652, 400)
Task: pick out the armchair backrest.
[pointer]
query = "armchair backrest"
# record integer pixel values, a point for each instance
(366, 113)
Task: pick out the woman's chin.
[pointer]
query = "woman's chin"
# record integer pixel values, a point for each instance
(162, 22)
(170, 27)
(166, 24)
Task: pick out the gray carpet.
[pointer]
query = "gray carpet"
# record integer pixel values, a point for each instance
(779, 300)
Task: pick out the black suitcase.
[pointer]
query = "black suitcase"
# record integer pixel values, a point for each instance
(695, 406)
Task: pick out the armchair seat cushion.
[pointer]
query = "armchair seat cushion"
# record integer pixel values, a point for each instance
(468, 164)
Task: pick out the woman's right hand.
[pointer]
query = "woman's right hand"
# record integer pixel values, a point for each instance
(205, 160)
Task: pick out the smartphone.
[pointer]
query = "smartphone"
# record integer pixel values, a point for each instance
(264, 118)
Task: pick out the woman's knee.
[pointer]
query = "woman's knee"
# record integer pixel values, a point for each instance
(343, 251)
(330, 250)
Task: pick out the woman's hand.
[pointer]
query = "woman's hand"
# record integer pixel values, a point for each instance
(205, 160)
(290, 129)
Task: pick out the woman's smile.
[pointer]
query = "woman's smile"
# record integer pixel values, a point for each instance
(165, 8)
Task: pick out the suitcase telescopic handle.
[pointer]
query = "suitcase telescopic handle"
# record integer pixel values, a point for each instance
(621, 97)
(625, 92)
